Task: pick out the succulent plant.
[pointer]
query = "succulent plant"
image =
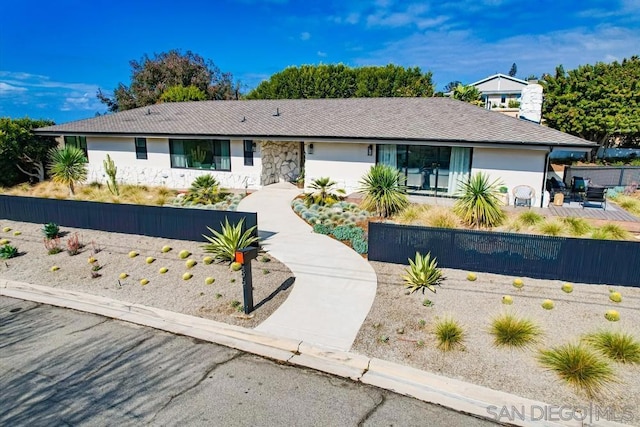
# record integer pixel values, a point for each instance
(615, 297)
(472, 277)
(567, 287)
(4, 242)
(547, 304)
(184, 254)
(187, 276)
(612, 315)
(165, 249)
(123, 276)
(518, 283)
(55, 268)
(149, 259)
(235, 266)
(51, 230)
(190, 263)
(163, 270)
(8, 252)
(17, 233)
(507, 299)
(6, 229)
(144, 282)
(209, 281)
(133, 254)
(207, 260)
(91, 260)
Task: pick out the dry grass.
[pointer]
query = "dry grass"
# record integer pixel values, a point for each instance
(96, 192)
(629, 203)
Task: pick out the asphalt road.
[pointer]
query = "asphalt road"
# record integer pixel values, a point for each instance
(63, 367)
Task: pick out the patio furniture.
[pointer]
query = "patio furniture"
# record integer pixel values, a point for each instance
(595, 195)
(553, 186)
(415, 178)
(578, 187)
(522, 195)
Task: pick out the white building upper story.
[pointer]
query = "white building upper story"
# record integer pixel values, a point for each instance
(437, 143)
(497, 90)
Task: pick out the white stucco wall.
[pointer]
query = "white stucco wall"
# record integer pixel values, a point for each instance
(512, 167)
(345, 163)
(156, 169)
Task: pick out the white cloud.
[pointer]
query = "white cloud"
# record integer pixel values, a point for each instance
(7, 89)
(305, 36)
(85, 102)
(322, 54)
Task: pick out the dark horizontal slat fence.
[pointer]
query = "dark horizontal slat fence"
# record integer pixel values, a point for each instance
(543, 257)
(156, 221)
(605, 176)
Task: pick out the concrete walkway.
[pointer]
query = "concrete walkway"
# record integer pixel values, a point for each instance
(334, 287)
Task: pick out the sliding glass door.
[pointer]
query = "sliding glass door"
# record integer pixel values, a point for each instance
(429, 170)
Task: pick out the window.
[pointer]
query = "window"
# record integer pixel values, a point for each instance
(78, 142)
(141, 148)
(214, 154)
(249, 147)
(503, 99)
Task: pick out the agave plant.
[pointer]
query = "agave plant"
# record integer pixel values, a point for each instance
(205, 190)
(479, 204)
(223, 245)
(384, 190)
(423, 273)
(51, 230)
(324, 192)
(68, 166)
(7, 251)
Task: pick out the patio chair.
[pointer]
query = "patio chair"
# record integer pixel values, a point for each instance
(578, 187)
(554, 186)
(522, 195)
(595, 195)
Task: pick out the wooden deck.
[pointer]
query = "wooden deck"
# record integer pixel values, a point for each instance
(611, 214)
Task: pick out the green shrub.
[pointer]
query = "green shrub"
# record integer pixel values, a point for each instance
(322, 229)
(578, 366)
(551, 228)
(204, 190)
(384, 190)
(530, 218)
(323, 193)
(360, 245)
(347, 232)
(449, 335)
(224, 245)
(7, 251)
(577, 226)
(51, 230)
(479, 204)
(442, 218)
(423, 273)
(618, 346)
(510, 331)
(610, 232)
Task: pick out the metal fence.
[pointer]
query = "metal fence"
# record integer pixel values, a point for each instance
(156, 221)
(605, 176)
(543, 257)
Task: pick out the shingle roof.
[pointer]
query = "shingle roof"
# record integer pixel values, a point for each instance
(395, 119)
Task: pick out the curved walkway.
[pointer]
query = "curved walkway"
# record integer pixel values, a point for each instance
(334, 287)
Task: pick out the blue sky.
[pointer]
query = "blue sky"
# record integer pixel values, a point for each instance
(54, 55)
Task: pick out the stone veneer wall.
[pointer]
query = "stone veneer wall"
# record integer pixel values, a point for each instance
(172, 178)
(280, 161)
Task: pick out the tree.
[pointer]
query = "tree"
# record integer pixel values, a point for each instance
(68, 166)
(180, 93)
(23, 154)
(341, 81)
(467, 93)
(514, 70)
(151, 77)
(600, 103)
(451, 86)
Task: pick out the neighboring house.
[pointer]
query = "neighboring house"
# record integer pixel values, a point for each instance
(436, 143)
(498, 90)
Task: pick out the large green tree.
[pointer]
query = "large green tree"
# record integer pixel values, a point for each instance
(341, 81)
(23, 154)
(468, 93)
(151, 77)
(600, 103)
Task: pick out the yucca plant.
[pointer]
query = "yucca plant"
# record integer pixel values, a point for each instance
(51, 230)
(205, 190)
(618, 346)
(423, 273)
(449, 334)
(68, 166)
(479, 204)
(579, 366)
(384, 190)
(510, 331)
(7, 251)
(324, 192)
(223, 245)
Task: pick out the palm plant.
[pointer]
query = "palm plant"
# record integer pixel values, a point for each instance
(423, 273)
(384, 190)
(324, 192)
(68, 166)
(479, 204)
(205, 190)
(223, 245)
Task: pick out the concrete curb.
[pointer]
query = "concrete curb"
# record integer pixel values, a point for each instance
(454, 394)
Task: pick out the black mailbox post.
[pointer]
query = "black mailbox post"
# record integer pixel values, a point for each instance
(244, 257)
